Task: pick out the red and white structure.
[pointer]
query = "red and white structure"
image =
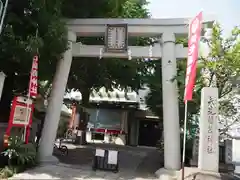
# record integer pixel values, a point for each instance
(21, 115)
(22, 107)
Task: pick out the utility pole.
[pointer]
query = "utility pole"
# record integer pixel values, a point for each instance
(3, 13)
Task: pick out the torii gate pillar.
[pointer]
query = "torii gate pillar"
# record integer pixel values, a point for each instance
(171, 125)
(53, 113)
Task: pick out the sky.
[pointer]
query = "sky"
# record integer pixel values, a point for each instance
(226, 12)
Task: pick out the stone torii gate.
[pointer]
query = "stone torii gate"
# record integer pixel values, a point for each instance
(116, 31)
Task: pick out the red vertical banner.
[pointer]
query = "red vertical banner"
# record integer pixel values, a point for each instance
(32, 93)
(33, 83)
(195, 27)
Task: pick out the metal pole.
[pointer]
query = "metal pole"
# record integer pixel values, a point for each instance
(27, 117)
(184, 140)
(1, 8)
(96, 119)
(3, 15)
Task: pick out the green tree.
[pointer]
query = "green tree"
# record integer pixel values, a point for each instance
(214, 69)
(154, 98)
(18, 44)
(222, 64)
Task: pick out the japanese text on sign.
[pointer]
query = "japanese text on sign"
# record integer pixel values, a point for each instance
(20, 115)
(33, 84)
(194, 38)
(212, 116)
(195, 29)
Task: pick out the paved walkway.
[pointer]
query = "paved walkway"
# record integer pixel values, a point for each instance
(63, 171)
(134, 164)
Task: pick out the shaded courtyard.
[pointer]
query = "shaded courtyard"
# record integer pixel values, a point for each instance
(134, 163)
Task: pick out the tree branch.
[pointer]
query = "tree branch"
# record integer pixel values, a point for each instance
(225, 93)
(223, 131)
(211, 78)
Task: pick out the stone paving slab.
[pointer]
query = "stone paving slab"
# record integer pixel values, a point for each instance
(134, 164)
(62, 171)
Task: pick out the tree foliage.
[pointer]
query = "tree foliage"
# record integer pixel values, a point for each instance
(216, 67)
(93, 73)
(154, 98)
(36, 26)
(222, 64)
(29, 26)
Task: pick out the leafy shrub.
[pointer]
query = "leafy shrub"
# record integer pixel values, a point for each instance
(6, 172)
(20, 154)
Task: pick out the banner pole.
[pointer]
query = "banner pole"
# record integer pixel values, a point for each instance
(27, 119)
(184, 139)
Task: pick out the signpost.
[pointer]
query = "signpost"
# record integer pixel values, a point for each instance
(20, 107)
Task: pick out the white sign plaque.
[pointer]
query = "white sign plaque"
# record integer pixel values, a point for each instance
(112, 157)
(116, 38)
(20, 115)
(100, 152)
(208, 138)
